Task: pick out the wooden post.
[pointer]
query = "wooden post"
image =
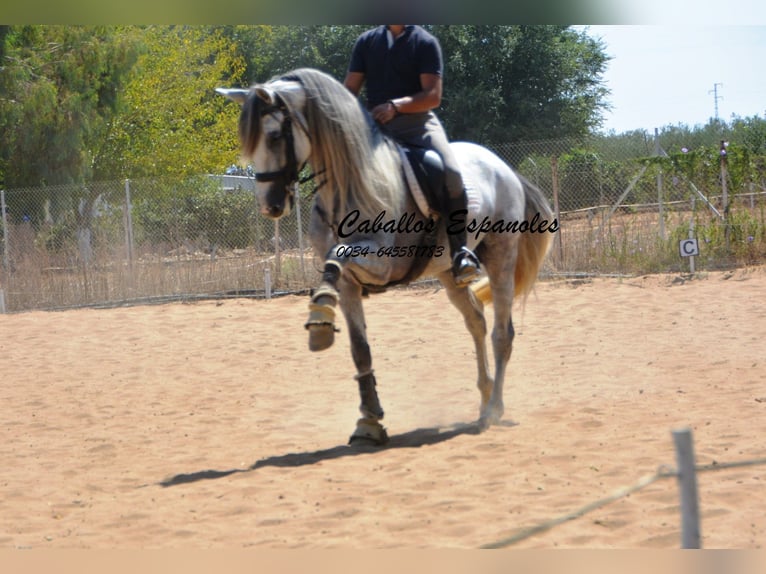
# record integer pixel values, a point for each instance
(557, 211)
(687, 486)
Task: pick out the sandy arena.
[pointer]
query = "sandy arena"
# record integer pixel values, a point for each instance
(209, 425)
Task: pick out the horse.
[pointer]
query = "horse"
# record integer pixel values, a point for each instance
(371, 232)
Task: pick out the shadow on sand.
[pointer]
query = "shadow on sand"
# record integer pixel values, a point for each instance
(412, 439)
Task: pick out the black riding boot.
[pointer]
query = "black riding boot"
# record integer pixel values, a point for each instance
(465, 264)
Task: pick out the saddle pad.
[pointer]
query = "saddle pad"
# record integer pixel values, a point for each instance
(414, 187)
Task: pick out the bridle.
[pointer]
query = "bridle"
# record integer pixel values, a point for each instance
(289, 173)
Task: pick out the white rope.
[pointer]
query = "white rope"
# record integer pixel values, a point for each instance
(662, 472)
(616, 495)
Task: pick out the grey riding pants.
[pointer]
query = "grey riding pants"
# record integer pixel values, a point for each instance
(425, 130)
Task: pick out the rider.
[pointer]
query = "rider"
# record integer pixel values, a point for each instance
(403, 68)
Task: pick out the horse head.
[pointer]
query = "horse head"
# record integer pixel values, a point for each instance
(274, 137)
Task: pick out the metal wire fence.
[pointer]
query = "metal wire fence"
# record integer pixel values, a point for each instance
(621, 209)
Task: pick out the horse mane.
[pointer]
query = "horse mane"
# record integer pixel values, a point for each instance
(360, 165)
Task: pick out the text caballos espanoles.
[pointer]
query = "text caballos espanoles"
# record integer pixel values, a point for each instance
(457, 223)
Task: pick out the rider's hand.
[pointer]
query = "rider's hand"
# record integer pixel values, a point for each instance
(384, 113)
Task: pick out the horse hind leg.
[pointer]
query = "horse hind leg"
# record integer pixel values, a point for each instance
(503, 334)
(472, 310)
(502, 343)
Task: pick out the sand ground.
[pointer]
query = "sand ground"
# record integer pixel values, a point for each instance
(210, 425)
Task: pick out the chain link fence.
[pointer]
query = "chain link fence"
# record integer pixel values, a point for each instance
(624, 207)
(146, 240)
(621, 210)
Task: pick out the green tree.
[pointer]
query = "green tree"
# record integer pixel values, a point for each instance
(61, 86)
(273, 50)
(502, 83)
(521, 83)
(174, 124)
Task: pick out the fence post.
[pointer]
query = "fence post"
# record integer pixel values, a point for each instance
(687, 486)
(6, 244)
(6, 258)
(691, 233)
(277, 252)
(300, 231)
(724, 193)
(658, 153)
(267, 280)
(557, 211)
(129, 233)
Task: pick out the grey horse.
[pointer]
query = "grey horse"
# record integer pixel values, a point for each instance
(373, 233)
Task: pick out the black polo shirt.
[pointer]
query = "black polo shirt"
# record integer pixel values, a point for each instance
(395, 72)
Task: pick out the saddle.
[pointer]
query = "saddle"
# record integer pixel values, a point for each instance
(424, 173)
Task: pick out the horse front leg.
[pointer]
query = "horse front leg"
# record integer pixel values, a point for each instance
(324, 299)
(334, 290)
(368, 428)
(359, 258)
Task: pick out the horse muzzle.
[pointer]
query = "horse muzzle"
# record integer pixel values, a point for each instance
(278, 202)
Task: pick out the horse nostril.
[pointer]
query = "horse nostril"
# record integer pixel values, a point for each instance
(273, 211)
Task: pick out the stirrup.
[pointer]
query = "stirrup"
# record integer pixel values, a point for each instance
(465, 267)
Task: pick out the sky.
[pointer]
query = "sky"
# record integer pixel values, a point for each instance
(665, 74)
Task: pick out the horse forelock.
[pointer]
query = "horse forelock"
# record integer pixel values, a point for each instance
(253, 111)
(250, 124)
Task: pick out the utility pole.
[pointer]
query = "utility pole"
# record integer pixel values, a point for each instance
(716, 97)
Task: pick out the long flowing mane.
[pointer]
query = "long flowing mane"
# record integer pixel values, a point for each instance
(361, 166)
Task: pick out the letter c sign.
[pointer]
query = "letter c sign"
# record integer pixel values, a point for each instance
(688, 247)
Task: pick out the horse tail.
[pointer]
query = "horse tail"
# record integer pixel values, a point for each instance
(533, 246)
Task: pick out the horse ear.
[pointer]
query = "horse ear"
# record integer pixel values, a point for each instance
(265, 93)
(237, 95)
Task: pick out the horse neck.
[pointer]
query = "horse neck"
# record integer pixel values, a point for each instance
(383, 177)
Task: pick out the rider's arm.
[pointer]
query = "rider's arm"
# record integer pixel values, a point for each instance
(423, 101)
(354, 81)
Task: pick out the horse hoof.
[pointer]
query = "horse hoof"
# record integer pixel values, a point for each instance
(321, 323)
(486, 420)
(321, 337)
(483, 424)
(368, 432)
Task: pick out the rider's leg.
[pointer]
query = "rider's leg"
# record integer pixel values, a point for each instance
(426, 130)
(465, 264)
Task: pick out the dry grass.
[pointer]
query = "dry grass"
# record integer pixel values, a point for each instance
(41, 281)
(631, 242)
(627, 243)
